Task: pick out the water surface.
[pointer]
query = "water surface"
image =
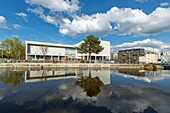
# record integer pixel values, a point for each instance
(84, 91)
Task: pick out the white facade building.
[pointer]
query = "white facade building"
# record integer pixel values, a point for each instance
(103, 55)
(150, 57)
(51, 51)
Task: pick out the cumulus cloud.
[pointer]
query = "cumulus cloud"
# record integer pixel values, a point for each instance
(37, 10)
(125, 21)
(70, 6)
(97, 23)
(47, 18)
(120, 21)
(23, 15)
(147, 44)
(16, 26)
(3, 22)
(164, 4)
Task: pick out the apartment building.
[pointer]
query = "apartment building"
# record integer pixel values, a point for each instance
(130, 55)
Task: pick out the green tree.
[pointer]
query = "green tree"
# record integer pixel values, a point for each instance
(90, 45)
(18, 49)
(7, 45)
(13, 49)
(90, 85)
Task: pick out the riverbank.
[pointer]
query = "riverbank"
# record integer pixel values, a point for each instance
(70, 65)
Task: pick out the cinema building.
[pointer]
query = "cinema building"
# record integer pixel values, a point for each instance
(52, 51)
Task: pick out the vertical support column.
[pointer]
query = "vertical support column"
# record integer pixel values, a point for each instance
(26, 57)
(58, 57)
(102, 58)
(95, 59)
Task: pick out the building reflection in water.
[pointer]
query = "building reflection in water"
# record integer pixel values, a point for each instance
(90, 81)
(90, 85)
(147, 76)
(41, 75)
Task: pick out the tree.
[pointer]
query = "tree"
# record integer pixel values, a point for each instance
(90, 45)
(13, 49)
(90, 85)
(7, 45)
(44, 50)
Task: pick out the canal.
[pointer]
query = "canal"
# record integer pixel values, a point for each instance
(84, 91)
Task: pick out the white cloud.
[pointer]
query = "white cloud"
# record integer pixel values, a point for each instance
(125, 21)
(38, 10)
(141, 1)
(70, 6)
(23, 15)
(164, 4)
(15, 36)
(97, 23)
(16, 26)
(47, 18)
(147, 44)
(3, 22)
(121, 21)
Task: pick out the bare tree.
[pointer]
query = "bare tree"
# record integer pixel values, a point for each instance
(44, 50)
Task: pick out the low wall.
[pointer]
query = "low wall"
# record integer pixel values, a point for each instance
(70, 65)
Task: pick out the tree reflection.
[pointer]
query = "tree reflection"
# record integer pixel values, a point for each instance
(44, 76)
(14, 78)
(90, 85)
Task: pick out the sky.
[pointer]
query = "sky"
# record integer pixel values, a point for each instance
(125, 23)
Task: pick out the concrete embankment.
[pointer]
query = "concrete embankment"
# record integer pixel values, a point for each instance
(70, 65)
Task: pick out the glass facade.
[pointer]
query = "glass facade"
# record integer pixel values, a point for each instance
(70, 51)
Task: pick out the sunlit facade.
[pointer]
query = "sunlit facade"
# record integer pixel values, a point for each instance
(52, 51)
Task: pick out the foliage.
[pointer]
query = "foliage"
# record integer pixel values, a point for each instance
(90, 45)
(13, 49)
(90, 85)
(154, 68)
(14, 78)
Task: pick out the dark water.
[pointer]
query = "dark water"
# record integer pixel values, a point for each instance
(84, 91)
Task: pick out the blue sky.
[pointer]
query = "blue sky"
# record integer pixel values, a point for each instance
(139, 22)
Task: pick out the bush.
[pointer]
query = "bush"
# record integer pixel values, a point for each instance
(154, 68)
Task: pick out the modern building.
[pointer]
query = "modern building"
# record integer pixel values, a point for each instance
(165, 57)
(137, 56)
(151, 57)
(52, 51)
(130, 55)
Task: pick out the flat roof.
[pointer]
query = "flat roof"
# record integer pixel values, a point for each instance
(49, 44)
(131, 49)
